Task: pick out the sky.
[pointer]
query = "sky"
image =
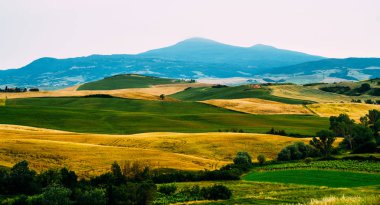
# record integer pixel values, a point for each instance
(31, 29)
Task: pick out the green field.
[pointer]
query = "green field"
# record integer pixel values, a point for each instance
(126, 81)
(251, 192)
(328, 178)
(124, 116)
(207, 93)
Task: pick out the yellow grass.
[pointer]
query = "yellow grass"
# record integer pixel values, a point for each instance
(90, 154)
(352, 200)
(259, 106)
(2, 102)
(354, 110)
(152, 93)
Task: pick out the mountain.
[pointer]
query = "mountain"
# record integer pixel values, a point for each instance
(192, 58)
(208, 51)
(345, 69)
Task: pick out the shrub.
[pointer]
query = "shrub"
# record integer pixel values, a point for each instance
(167, 189)
(308, 160)
(216, 192)
(261, 158)
(296, 151)
(243, 160)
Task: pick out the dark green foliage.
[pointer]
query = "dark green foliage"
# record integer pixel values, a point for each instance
(167, 189)
(95, 196)
(342, 126)
(22, 179)
(363, 140)
(323, 142)
(243, 160)
(262, 159)
(216, 192)
(99, 96)
(336, 89)
(364, 88)
(296, 151)
(277, 132)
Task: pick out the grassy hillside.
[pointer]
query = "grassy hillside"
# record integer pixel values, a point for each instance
(126, 81)
(90, 154)
(354, 110)
(120, 116)
(244, 91)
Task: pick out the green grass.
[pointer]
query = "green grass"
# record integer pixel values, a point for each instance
(244, 91)
(126, 81)
(124, 116)
(328, 178)
(250, 192)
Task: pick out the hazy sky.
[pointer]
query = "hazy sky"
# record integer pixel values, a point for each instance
(30, 29)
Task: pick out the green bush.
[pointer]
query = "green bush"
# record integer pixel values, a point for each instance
(262, 159)
(216, 192)
(167, 189)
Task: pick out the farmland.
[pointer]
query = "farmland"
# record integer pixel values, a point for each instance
(244, 91)
(90, 154)
(125, 116)
(354, 110)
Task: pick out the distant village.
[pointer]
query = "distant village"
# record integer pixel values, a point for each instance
(18, 90)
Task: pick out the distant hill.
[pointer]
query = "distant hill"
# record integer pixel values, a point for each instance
(126, 81)
(348, 68)
(208, 51)
(194, 58)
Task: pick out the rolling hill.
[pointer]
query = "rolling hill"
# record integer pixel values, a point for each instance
(125, 116)
(127, 81)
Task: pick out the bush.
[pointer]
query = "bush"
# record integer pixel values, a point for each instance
(243, 160)
(167, 189)
(296, 151)
(261, 158)
(216, 192)
(308, 160)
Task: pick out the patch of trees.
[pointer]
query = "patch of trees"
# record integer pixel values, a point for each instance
(219, 86)
(336, 89)
(169, 193)
(119, 186)
(231, 130)
(99, 96)
(360, 137)
(297, 151)
(133, 184)
(13, 90)
(274, 131)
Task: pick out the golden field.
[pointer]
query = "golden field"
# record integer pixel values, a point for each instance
(354, 110)
(259, 106)
(90, 154)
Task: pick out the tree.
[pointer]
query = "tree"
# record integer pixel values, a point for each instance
(261, 158)
(342, 127)
(323, 142)
(363, 140)
(22, 179)
(364, 87)
(296, 151)
(243, 159)
(95, 196)
(116, 172)
(162, 97)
